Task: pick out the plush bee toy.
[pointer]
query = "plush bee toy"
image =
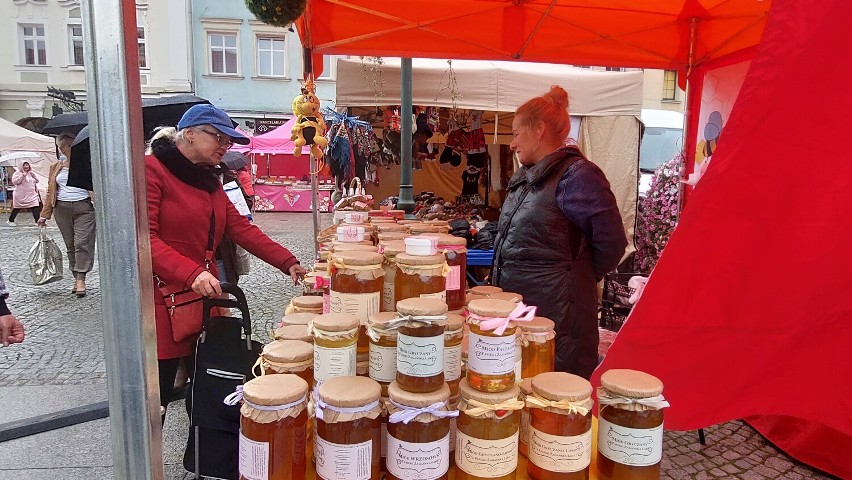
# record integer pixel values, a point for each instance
(310, 126)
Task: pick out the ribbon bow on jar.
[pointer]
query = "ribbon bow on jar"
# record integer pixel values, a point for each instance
(521, 313)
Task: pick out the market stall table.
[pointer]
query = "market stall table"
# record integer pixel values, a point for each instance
(289, 198)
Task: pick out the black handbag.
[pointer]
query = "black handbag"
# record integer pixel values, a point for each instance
(224, 356)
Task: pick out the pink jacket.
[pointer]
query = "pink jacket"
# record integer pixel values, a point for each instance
(25, 194)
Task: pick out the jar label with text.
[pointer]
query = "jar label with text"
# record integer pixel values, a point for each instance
(486, 458)
(420, 356)
(361, 305)
(382, 363)
(343, 462)
(560, 454)
(334, 362)
(491, 355)
(254, 459)
(525, 426)
(454, 278)
(442, 295)
(418, 460)
(453, 430)
(639, 447)
(388, 305)
(326, 303)
(452, 363)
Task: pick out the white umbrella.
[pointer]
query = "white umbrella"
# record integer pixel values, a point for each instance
(16, 159)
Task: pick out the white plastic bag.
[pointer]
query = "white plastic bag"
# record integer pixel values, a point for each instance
(45, 260)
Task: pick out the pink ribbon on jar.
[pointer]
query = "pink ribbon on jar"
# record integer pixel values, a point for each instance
(521, 313)
(321, 282)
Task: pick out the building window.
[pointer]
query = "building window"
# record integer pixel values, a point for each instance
(669, 85)
(75, 42)
(271, 57)
(142, 44)
(223, 53)
(34, 44)
(327, 73)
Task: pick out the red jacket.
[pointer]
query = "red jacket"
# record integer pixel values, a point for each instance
(179, 220)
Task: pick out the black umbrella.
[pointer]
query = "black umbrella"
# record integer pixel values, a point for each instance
(235, 160)
(66, 123)
(156, 112)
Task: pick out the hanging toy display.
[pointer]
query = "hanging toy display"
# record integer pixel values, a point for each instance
(309, 128)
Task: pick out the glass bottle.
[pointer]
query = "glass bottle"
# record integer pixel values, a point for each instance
(347, 443)
(356, 284)
(560, 442)
(293, 332)
(418, 447)
(420, 276)
(538, 347)
(453, 336)
(420, 344)
(288, 356)
(335, 346)
(382, 348)
(487, 437)
(491, 356)
(630, 403)
(274, 440)
(390, 250)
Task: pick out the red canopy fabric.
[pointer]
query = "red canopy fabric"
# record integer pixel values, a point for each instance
(748, 311)
(275, 142)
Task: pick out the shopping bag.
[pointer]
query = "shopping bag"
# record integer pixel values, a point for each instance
(45, 260)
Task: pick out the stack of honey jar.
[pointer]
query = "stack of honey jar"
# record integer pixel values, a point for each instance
(404, 371)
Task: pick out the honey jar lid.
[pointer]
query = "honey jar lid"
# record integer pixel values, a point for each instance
(390, 227)
(510, 296)
(488, 398)
(537, 325)
(631, 383)
(421, 306)
(285, 351)
(338, 248)
(379, 318)
(417, 400)
(558, 386)
(447, 239)
(484, 290)
(308, 301)
(526, 386)
(293, 332)
(360, 258)
(488, 307)
(302, 318)
(454, 322)
(408, 259)
(349, 392)
(436, 222)
(393, 247)
(386, 236)
(274, 390)
(410, 222)
(424, 228)
(336, 322)
(381, 220)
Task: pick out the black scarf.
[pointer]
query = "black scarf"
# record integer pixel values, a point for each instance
(202, 177)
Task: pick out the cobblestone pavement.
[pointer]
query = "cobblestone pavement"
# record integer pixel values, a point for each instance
(64, 345)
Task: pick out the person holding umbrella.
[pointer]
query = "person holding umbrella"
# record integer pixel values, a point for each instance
(25, 196)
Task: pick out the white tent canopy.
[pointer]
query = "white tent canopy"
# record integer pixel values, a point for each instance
(18, 139)
(490, 86)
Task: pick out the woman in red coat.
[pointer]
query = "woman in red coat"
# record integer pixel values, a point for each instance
(183, 193)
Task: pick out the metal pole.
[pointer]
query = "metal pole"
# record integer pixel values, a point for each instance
(315, 201)
(124, 250)
(406, 189)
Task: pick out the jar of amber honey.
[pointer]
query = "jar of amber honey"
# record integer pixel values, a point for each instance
(382, 331)
(526, 390)
(305, 304)
(356, 284)
(273, 427)
(390, 250)
(421, 276)
(294, 332)
(487, 437)
(335, 346)
(418, 441)
(538, 347)
(347, 443)
(455, 250)
(560, 442)
(288, 356)
(491, 343)
(453, 336)
(631, 406)
(420, 344)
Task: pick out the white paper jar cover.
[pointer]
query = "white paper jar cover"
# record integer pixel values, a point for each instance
(355, 217)
(350, 233)
(421, 246)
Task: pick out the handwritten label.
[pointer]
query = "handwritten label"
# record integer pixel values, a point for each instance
(452, 363)
(442, 295)
(334, 362)
(486, 458)
(454, 278)
(453, 429)
(254, 459)
(343, 462)
(560, 454)
(361, 305)
(491, 355)
(418, 460)
(382, 363)
(639, 447)
(420, 356)
(388, 305)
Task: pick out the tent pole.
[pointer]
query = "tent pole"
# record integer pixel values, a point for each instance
(406, 189)
(690, 118)
(315, 201)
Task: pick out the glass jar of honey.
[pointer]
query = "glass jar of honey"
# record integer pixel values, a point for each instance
(294, 332)
(491, 343)
(305, 304)
(382, 331)
(538, 347)
(356, 284)
(390, 250)
(487, 436)
(420, 276)
(347, 443)
(302, 319)
(455, 250)
(288, 356)
(273, 427)
(560, 442)
(453, 336)
(418, 439)
(526, 390)
(420, 344)
(335, 346)
(631, 404)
